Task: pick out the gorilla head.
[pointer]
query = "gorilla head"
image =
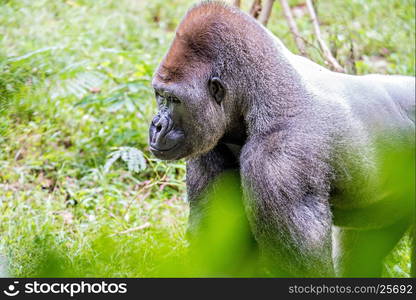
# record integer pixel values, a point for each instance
(195, 89)
(191, 116)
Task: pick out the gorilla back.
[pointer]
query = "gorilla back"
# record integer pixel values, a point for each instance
(303, 140)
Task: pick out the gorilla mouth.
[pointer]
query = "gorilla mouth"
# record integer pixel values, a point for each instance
(152, 148)
(166, 154)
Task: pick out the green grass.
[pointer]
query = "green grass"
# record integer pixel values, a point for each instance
(75, 86)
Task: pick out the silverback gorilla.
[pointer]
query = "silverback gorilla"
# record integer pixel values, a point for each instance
(303, 139)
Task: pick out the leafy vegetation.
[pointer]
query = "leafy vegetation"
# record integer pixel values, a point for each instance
(75, 104)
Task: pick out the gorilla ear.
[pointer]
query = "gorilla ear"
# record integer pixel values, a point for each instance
(216, 89)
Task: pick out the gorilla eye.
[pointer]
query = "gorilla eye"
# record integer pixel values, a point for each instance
(216, 89)
(173, 99)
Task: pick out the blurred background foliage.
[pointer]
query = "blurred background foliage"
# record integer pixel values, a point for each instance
(80, 194)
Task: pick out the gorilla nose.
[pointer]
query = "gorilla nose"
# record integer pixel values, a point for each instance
(161, 124)
(159, 130)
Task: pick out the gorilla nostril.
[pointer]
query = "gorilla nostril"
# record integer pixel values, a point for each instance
(158, 127)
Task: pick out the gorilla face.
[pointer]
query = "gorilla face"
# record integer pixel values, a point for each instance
(190, 120)
(166, 134)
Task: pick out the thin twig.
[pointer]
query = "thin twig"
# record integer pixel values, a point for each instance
(293, 27)
(312, 45)
(141, 227)
(330, 59)
(142, 197)
(266, 12)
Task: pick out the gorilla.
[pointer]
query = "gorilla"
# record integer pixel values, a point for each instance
(302, 138)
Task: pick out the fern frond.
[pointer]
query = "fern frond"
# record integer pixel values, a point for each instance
(132, 156)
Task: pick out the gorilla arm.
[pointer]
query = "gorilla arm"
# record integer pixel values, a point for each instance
(286, 205)
(201, 172)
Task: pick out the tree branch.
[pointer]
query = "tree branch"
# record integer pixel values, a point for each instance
(255, 8)
(265, 12)
(293, 27)
(237, 3)
(330, 59)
